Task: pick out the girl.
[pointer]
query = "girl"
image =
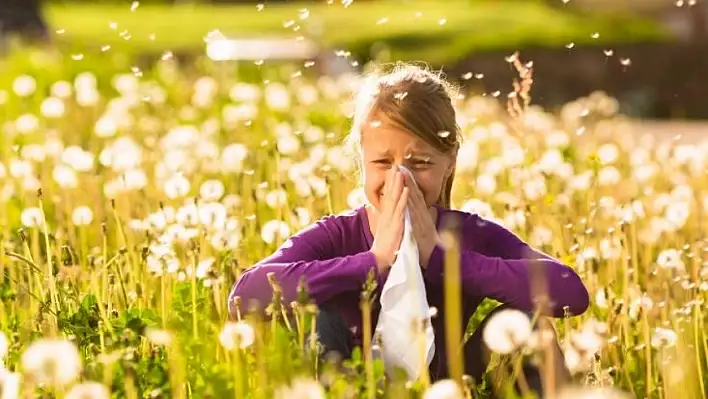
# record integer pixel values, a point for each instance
(406, 118)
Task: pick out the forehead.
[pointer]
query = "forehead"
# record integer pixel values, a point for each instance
(381, 135)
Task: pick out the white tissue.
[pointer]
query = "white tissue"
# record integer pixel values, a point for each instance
(404, 303)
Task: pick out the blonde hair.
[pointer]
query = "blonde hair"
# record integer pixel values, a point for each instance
(415, 99)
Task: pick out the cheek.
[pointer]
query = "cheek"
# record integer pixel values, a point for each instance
(373, 184)
(430, 183)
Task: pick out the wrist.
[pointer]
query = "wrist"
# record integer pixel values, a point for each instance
(381, 261)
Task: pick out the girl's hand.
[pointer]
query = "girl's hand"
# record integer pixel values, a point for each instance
(424, 230)
(389, 226)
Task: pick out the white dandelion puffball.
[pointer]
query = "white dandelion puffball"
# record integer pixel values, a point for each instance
(663, 337)
(61, 89)
(24, 86)
(237, 334)
(592, 393)
(176, 186)
(26, 123)
(89, 390)
(82, 216)
(158, 336)
(211, 190)
(671, 259)
(273, 228)
(507, 330)
(32, 217)
(10, 383)
(52, 361)
(65, 176)
(52, 107)
(444, 389)
(356, 198)
(301, 388)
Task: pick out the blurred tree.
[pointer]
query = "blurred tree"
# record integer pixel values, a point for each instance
(23, 18)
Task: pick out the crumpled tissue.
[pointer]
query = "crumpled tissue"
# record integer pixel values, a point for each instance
(403, 307)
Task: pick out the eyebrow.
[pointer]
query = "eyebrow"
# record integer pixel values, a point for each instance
(413, 154)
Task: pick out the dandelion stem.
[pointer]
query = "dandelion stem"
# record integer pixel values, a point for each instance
(453, 305)
(195, 329)
(50, 266)
(698, 349)
(365, 305)
(29, 262)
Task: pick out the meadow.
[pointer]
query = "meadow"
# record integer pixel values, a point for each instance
(131, 199)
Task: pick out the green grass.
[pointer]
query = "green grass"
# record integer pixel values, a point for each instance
(469, 26)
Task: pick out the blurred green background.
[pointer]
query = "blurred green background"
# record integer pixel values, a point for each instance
(629, 49)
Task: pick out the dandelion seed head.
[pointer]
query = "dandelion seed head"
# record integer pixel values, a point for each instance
(444, 389)
(237, 335)
(88, 390)
(82, 216)
(507, 330)
(52, 361)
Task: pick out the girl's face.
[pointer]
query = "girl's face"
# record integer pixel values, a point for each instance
(384, 145)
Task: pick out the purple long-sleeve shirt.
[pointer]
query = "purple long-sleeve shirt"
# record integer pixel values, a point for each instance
(333, 256)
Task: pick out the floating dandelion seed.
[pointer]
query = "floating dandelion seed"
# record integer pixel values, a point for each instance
(151, 37)
(479, 76)
(400, 96)
(679, 3)
(444, 134)
(167, 55)
(595, 35)
(496, 93)
(382, 21)
(570, 45)
(260, 7)
(134, 6)
(288, 23)
(61, 31)
(304, 13)
(77, 57)
(442, 21)
(113, 25)
(609, 52)
(467, 76)
(418, 14)
(626, 61)
(105, 48)
(309, 64)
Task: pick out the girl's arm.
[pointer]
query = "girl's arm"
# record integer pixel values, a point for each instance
(503, 272)
(305, 254)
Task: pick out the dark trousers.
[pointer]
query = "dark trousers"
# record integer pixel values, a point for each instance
(336, 340)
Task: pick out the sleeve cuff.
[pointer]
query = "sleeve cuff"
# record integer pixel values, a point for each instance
(369, 263)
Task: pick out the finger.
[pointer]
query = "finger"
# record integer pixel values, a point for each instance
(397, 186)
(402, 202)
(388, 182)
